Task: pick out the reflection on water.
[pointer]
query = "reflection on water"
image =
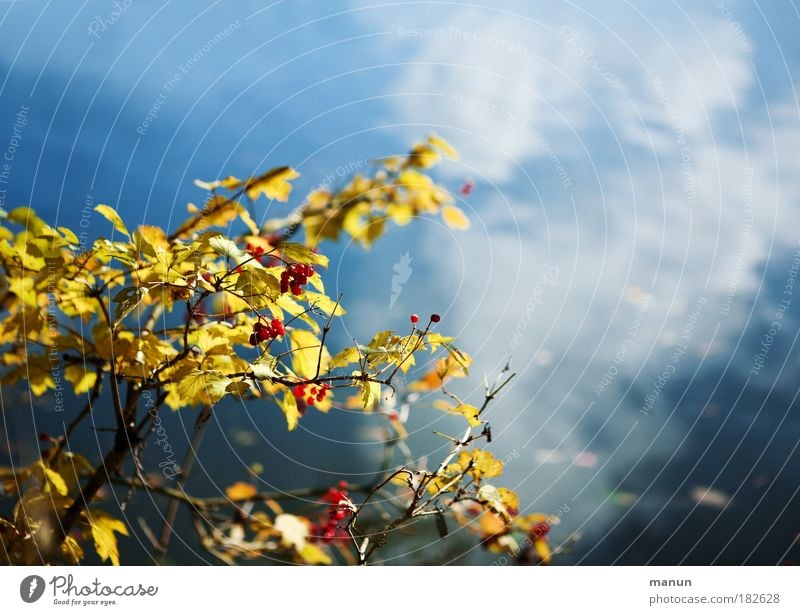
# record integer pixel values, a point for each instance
(644, 153)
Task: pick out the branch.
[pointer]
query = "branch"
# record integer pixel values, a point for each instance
(186, 467)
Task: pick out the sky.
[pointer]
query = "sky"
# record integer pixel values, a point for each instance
(633, 237)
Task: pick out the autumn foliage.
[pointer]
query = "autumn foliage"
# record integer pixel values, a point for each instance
(224, 307)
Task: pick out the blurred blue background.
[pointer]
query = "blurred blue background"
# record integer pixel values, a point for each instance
(634, 226)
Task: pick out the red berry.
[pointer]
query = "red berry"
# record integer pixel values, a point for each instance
(296, 290)
(284, 286)
(339, 515)
(43, 437)
(253, 340)
(435, 318)
(310, 401)
(299, 391)
(414, 318)
(342, 484)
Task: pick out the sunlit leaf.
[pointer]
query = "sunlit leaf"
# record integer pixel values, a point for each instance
(274, 184)
(110, 214)
(240, 491)
(103, 526)
(455, 218)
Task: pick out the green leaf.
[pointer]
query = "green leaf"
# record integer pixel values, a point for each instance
(127, 299)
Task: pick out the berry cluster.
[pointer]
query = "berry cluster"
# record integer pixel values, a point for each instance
(338, 510)
(294, 277)
(262, 332)
(255, 251)
(314, 393)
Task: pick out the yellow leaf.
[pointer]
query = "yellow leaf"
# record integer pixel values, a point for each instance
(195, 386)
(299, 253)
(482, 464)
(82, 379)
(274, 184)
(26, 217)
(72, 550)
(229, 183)
(54, 480)
(344, 357)
(446, 368)
(370, 393)
(289, 406)
(455, 218)
(468, 411)
(292, 529)
(443, 145)
(423, 156)
(543, 550)
(240, 491)
(103, 527)
(306, 352)
(324, 303)
(493, 524)
(69, 236)
(110, 214)
(313, 555)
